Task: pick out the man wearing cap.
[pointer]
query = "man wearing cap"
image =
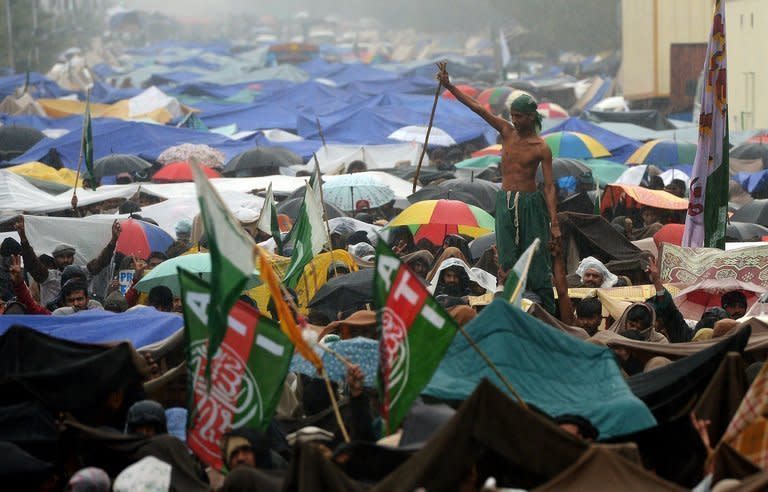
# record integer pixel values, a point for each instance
(64, 255)
(522, 212)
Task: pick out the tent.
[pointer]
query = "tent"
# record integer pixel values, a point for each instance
(582, 378)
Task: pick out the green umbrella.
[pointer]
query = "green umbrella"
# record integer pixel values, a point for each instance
(166, 273)
(605, 171)
(483, 162)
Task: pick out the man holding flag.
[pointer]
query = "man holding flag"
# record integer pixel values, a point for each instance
(707, 211)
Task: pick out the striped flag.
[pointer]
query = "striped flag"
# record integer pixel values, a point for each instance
(708, 204)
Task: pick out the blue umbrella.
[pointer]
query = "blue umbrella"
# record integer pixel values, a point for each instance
(361, 351)
(753, 182)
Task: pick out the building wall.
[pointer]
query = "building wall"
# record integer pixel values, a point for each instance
(746, 38)
(649, 28)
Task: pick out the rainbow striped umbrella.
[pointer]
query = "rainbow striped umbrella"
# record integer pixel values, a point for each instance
(435, 219)
(495, 98)
(575, 145)
(664, 153)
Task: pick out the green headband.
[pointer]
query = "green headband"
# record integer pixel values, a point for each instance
(526, 104)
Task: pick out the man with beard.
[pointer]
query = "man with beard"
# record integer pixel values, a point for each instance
(453, 282)
(594, 274)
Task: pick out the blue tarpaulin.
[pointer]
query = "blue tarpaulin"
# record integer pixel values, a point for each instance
(140, 327)
(753, 182)
(549, 369)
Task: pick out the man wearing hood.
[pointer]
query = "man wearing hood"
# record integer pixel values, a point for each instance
(594, 274)
(64, 255)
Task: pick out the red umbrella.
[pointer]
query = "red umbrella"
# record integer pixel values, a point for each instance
(466, 89)
(179, 172)
(670, 233)
(139, 238)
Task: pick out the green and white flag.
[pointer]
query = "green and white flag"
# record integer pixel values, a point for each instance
(415, 334)
(247, 371)
(309, 236)
(518, 275)
(231, 250)
(87, 144)
(708, 202)
(267, 222)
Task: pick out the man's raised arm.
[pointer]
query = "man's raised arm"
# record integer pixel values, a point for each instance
(500, 124)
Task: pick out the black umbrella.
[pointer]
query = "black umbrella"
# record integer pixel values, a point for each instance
(292, 206)
(261, 161)
(745, 232)
(437, 193)
(426, 175)
(480, 245)
(16, 140)
(484, 191)
(751, 151)
(349, 292)
(562, 167)
(114, 164)
(580, 203)
(754, 212)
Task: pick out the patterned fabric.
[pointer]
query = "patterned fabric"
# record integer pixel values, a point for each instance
(692, 265)
(147, 475)
(748, 430)
(361, 351)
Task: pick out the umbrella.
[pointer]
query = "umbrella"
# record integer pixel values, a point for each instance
(114, 164)
(751, 151)
(575, 145)
(695, 300)
(292, 206)
(415, 133)
(261, 161)
(166, 274)
(347, 190)
(754, 212)
(481, 244)
(494, 149)
(745, 232)
(139, 239)
(435, 219)
(466, 89)
(604, 171)
(179, 172)
(348, 292)
(204, 154)
(434, 192)
(753, 182)
(361, 351)
(670, 174)
(16, 140)
(637, 174)
(670, 233)
(484, 191)
(664, 153)
(552, 110)
(565, 167)
(495, 98)
(761, 138)
(480, 163)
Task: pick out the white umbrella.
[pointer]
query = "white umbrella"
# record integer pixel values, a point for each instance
(347, 190)
(670, 174)
(634, 175)
(415, 133)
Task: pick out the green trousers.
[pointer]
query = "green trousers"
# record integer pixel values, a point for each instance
(520, 218)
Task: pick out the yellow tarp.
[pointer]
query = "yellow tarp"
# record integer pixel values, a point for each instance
(315, 276)
(616, 299)
(59, 108)
(44, 172)
(636, 196)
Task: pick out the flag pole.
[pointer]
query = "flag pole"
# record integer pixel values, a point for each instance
(335, 404)
(441, 66)
(80, 157)
(493, 367)
(325, 214)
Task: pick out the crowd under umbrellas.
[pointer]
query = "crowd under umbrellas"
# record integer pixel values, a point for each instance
(652, 366)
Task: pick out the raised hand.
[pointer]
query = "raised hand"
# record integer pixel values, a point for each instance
(116, 230)
(442, 74)
(19, 226)
(15, 270)
(355, 380)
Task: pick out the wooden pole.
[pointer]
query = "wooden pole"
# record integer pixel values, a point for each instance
(493, 367)
(441, 66)
(335, 404)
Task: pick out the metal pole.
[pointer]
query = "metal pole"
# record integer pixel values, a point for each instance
(11, 61)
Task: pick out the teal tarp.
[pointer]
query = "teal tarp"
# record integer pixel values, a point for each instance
(550, 369)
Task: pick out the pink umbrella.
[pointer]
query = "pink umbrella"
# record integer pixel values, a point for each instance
(552, 110)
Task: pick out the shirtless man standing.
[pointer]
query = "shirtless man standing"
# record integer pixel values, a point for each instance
(521, 210)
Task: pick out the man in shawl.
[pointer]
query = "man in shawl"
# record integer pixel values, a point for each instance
(594, 274)
(522, 212)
